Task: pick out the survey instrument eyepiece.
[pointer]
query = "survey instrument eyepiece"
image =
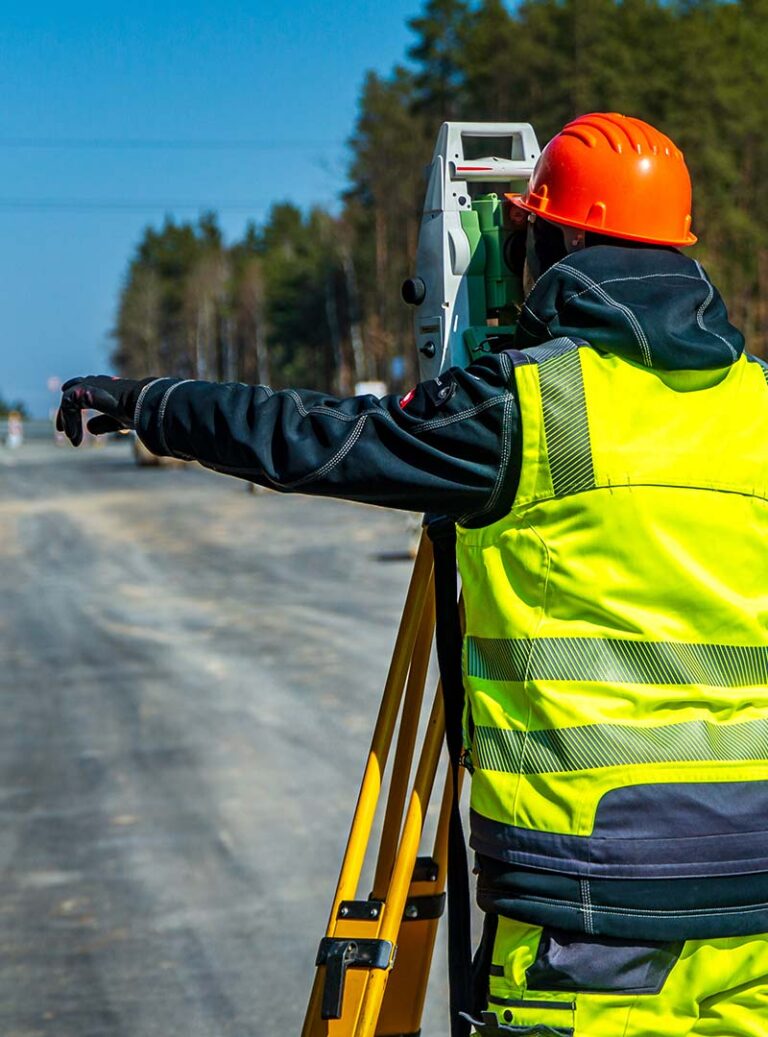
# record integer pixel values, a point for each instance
(414, 291)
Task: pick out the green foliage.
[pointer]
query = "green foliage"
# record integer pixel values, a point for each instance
(163, 321)
(391, 146)
(314, 299)
(6, 408)
(300, 267)
(438, 55)
(698, 69)
(266, 307)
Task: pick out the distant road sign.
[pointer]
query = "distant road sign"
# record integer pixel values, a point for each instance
(370, 389)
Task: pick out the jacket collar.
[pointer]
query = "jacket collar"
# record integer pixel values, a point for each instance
(652, 306)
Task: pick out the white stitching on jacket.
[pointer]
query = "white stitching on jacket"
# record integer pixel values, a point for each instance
(506, 451)
(632, 320)
(505, 455)
(535, 316)
(562, 265)
(651, 912)
(329, 465)
(586, 898)
(161, 415)
(617, 280)
(360, 419)
(470, 412)
(703, 307)
(380, 412)
(321, 409)
(647, 277)
(140, 401)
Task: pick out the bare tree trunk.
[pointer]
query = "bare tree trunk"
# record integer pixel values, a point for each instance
(201, 370)
(227, 349)
(332, 317)
(263, 372)
(359, 366)
(761, 304)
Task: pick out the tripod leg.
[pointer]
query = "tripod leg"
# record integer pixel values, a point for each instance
(405, 861)
(406, 990)
(340, 925)
(406, 741)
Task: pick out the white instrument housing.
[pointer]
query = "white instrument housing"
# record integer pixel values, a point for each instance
(443, 253)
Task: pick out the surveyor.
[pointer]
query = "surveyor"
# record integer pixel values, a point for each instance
(608, 479)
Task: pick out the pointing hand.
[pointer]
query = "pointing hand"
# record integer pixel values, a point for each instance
(115, 398)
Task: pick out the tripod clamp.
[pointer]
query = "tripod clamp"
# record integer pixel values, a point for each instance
(338, 955)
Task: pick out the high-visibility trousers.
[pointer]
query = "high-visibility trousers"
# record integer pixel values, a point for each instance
(551, 983)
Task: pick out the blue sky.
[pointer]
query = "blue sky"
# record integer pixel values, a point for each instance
(287, 75)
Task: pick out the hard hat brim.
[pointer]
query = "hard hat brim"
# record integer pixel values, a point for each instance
(521, 203)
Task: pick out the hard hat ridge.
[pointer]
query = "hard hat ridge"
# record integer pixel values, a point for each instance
(621, 131)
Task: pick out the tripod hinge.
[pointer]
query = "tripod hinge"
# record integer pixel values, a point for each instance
(360, 910)
(419, 908)
(338, 955)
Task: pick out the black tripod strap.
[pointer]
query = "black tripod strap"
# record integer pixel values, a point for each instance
(442, 533)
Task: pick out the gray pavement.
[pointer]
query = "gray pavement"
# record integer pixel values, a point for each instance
(189, 675)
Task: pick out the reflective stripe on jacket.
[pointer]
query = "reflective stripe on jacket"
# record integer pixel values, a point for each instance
(616, 657)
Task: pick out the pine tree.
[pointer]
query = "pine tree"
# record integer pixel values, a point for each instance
(390, 150)
(314, 298)
(438, 57)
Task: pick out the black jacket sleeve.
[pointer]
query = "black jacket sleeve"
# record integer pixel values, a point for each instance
(452, 446)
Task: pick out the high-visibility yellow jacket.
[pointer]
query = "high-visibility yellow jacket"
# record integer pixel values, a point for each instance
(616, 651)
(616, 597)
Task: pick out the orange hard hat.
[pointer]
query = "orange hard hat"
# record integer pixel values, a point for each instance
(613, 175)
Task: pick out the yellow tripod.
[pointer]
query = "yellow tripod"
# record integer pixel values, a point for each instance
(374, 961)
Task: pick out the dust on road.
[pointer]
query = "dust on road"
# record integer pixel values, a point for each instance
(189, 676)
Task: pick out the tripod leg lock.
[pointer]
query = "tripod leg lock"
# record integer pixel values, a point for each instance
(420, 908)
(338, 955)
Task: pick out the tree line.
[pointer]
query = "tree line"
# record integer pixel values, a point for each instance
(14, 406)
(314, 298)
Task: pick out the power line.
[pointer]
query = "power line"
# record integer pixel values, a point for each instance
(168, 144)
(121, 205)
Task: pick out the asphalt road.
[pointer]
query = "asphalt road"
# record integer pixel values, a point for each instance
(189, 675)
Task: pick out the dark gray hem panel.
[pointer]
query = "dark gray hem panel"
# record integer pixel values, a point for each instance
(636, 909)
(574, 962)
(684, 812)
(595, 856)
(630, 925)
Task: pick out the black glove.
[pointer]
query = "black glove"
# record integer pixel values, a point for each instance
(116, 398)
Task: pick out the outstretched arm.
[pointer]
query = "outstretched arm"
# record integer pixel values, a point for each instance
(450, 446)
